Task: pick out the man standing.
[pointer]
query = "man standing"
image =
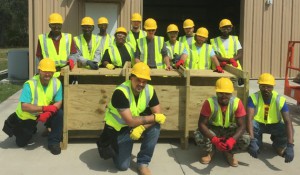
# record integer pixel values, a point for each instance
(152, 49)
(222, 124)
(188, 27)
(135, 32)
(134, 111)
(88, 44)
(41, 100)
(105, 39)
(268, 113)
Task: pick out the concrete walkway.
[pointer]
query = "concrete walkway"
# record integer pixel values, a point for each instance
(81, 157)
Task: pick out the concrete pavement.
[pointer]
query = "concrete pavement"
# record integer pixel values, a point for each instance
(82, 157)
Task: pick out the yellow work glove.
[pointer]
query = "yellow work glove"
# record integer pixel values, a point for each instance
(110, 66)
(137, 132)
(160, 118)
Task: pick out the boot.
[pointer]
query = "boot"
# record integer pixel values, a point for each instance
(231, 159)
(144, 170)
(207, 158)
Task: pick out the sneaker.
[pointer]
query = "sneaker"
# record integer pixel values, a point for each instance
(55, 149)
(231, 159)
(207, 158)
(144, 170)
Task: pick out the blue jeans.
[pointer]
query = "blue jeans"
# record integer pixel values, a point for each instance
(56, 125)
(125, 144)
(277, 131)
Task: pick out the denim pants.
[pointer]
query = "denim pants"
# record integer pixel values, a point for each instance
(125, 144)
(277, 131)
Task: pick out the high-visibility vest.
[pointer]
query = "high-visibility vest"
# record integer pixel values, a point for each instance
(274, 114)
(115, 56)
(232, 47)
(112, 116)
(130, 38)
(105, 43)
(49, 51)
(83, 46)
(39, 97)
(177, 48)
(158, 45)
(183, 40)
(199, 61)
(216, 117)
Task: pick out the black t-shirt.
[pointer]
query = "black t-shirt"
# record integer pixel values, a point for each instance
(123, 53)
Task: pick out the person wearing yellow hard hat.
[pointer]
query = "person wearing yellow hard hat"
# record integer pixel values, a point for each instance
(120, 52)
(40, 101)
(136, 32)
(133, 111)
(152, 49)
(57, 45)
(188, 38)
(227, 47)
(268, 113)
(201, 55)
(222, 124)
(106, 39)
(88, 45)
(177, 50)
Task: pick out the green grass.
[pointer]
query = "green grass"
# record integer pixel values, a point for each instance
(7, 90)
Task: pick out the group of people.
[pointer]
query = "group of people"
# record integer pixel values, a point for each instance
(134, 110)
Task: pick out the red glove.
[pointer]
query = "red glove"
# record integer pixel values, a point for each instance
(43, 117)
(233, 62)
(219, 69)
(218, 143)
(71, 64)
(180, 62)
(51, 108)
(230, 142)
(223, 63)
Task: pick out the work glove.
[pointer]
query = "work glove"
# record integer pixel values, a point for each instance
(110, 66)
(43, 117)
(180, 62)
(51, 108)
(159, 118)
(93, 64)
(253, 148)
(218, 142)
(219, 69)
(233, 62)
(230, 142)
(71, 64)
(289, 153)
(223, 63)
(137, 132)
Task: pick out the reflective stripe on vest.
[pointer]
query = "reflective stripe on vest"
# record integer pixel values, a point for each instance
(130, 38)
(105, 43)
(83, 46)
(177, 48)
(200, 60)
(115, 56)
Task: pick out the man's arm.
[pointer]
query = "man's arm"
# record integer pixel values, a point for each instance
(288, 126)
(250, 116)
(202, 126)
(241, 123)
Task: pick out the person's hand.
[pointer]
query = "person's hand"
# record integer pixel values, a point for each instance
(223, 63)
(219, 69)
(43, 117)
(71, 64)
(169, 67)
(230, 142)
(160, 118)
(218, 142)
(289, 153)
(253, 148)
(110, 66)
(137, 132)
(180, 62)
(233, 62)
(50, 108)
(93, 64)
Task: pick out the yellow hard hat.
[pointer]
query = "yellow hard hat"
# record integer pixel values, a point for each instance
(172, 28)
(150, 24)
(102, 20)
(224, 85)
(141, 70)
(47, 64)
(121, 29)
(225, 22)
(266, 78)
(55, 18)
(188, 23)
(202, 31)
(136, 17)
(87, 21)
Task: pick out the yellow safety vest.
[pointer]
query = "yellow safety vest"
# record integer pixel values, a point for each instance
(130, 38)
(274, 114)
(232, 47)
(183, 40)
(158, 45)
(83, 46)
(199, 61)
(39, 97)
(105, 43)
(216, 117)
(112, 116)
(115, 56)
